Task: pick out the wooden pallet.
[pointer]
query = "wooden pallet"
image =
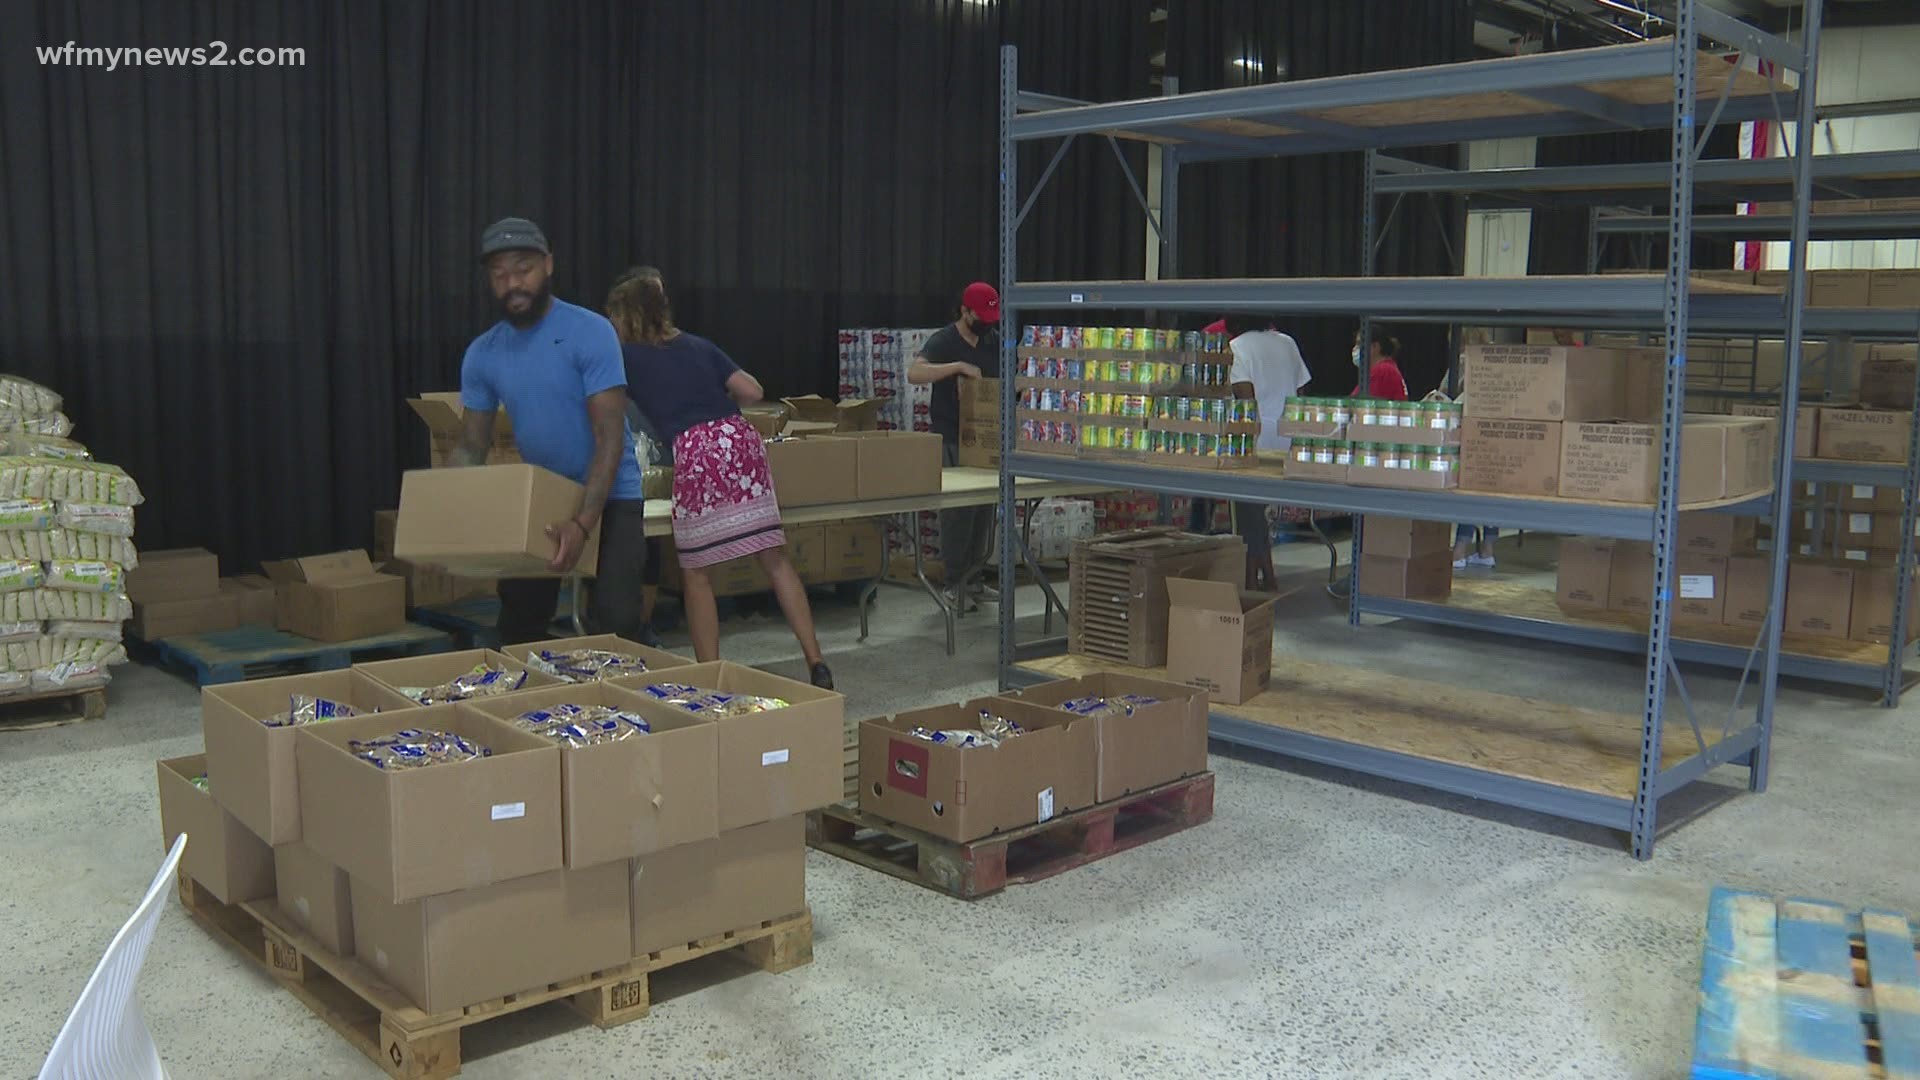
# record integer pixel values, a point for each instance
(256, 652)
(850, 759)
(382, 1023)
(1032, 853)
(1793, 989)
(52, 708)
(475, 621)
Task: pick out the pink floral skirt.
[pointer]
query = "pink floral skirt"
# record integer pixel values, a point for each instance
(723, 503)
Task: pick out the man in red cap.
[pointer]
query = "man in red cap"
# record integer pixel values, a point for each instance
(968, 348)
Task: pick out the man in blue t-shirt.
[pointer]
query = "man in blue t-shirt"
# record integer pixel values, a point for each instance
(556, 367)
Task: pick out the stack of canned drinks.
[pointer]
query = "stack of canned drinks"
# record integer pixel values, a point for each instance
(1128, 373)
(1123, 338)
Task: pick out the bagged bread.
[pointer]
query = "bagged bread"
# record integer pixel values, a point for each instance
(86, 576)
(94, 518)
(66, 481)
(24, 397)
(48, 545)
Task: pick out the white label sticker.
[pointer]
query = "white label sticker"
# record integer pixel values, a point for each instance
(1863, 491)
(1854, 554)
(774, 757)
(1076, 298)
(1860, 523)
(380, 958)
(1046, 804)
(504, 810)
(1696, 586)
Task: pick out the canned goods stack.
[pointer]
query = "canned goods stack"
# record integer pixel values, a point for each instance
(1383, 443)
(1137, 339)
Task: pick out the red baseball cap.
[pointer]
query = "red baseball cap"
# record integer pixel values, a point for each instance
(983, 300)
(1217, 326)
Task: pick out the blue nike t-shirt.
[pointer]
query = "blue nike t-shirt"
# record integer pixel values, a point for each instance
(544, 376)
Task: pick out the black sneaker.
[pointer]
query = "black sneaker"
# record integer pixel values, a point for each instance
(821, 676)
(648, 636)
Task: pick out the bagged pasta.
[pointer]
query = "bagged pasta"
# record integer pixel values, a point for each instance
(66, 481)
(24, 444)
(49, 652)
(81, 576)
(29, 514)
(67, 604)
(24, 397)
(75, 628)
(16, 574)
(51, 545)
(18, 631)
(70, 676)
(54, 424)
(15, 682)
(94, 518)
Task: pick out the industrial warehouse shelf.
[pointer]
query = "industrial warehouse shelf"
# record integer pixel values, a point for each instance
(1879, 174)
(1578, 764)
(1872, 225)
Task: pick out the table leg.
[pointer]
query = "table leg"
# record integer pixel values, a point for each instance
(920, 571)
(1039, 576)
(870, 593)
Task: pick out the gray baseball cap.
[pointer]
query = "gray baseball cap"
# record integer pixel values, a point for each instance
(513, 234)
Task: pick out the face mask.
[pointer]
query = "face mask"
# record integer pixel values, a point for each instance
(1356, 356)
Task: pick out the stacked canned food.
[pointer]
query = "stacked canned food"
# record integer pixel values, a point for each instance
(1413, 457)
(1123, 338)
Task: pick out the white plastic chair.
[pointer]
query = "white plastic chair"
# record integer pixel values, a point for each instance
(106, 1035)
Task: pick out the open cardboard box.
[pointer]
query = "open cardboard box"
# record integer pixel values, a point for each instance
(964, 793)
(222, 855)
(1152, 745)
(848, 414)
(489, 521)
(1219, 638)
(251, 764)
(631, 797)
(655, 659)
(771, 764)
(412, 833)
(336, 597)
(438, 669)
(446, 424)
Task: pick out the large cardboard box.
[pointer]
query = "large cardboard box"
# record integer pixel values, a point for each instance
(1840, 288)
(1511, 457)
(1423, 577)
(413, 673)
(1868, 499)
(160, 619)
(1585, 574)
(1404, 538)
(810, 472)
(771, 764)
(252, 763)
(1865, 434)
(737, 880)
(631, 797)
(1872, 615)
(853, 551)
(1630, 578)
(1887, 384)
(1720, 457)
(1151, 745)
(413, 833)
(1704, 532)
(432, 586)
(964, 793)
(175, 574)
(848, 414)
(897, 464)
(489, 521)
(1868, 530)
(255, 598)
(655, 659)
(456, 949)
(1749, 581)
(1893, 289)
(1545, 382)
(979, 444)
(446, 423)
(336, 597)
(316, 895)
(1700, 588)
(227, 860)
(1819, 599)
(1806, 427)
(1219, 638)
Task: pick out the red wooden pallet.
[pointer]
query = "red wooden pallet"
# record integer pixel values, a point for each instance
(982, 867)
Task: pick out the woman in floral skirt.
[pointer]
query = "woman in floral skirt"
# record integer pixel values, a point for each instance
(723, 501)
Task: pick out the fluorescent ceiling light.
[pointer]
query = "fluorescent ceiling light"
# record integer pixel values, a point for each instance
(1249, 63)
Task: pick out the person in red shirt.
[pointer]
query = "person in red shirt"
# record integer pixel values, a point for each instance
(1384, 380)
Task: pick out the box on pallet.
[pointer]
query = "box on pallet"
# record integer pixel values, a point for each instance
(175, 574)
(316, 895)
(1142, 748)
(255, 598)
(631, 797)
(1219, 638)
(964, 793)
(740, 878)
(1585, 577)
(336, 597)
(223, 856)
(489, 521)
(432, 586)
(155, 620)
(455, 949)
(253, 763)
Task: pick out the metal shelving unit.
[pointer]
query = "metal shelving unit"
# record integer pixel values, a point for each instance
(1562, 93)
(1891, 174)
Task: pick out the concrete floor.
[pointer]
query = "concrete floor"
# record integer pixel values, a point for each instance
(1322, 925)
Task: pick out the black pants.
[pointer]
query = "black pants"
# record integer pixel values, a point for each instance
(526, 604)
(965, 533)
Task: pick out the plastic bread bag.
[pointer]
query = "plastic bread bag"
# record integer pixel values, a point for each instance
(24, 397)
(70, 676)
(414, 748)
(67, 604)
(23, 631)
(52, 446)
(303, 709)
(66, 481)
(955, 737)
(15, 682)
(17, 574)
(101, 518)
(27, 514)
(52, 545)
(482, 681)
(79, 576)
(90, 631)
(585, 665)
(999, 728)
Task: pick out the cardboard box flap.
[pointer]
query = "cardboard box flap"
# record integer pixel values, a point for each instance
(445, 415)
(1206, 595)
(315, 569)
(811, 407)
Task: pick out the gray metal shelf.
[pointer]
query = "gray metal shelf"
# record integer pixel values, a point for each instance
(1876, 225)
(1877, 174)
(1870, 473)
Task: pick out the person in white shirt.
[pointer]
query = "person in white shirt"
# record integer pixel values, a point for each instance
(1267, 367)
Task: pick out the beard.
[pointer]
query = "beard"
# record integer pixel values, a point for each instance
(537, 303)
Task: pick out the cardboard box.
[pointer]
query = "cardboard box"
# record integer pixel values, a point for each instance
(255, 598)
(1700, 588)
(252, 764)
(739, 879)
(656, 659)
(316, 895)
(161, 619)
(419, 832)
(810, 472)
(1865, 434)
(1872, 615)
(1859, 529)
(489, 521)
(1544, 382)
(1152, 745)
(1749, 582)
(1887, 384)
(631, 797)
(336, 597)
(1424, 577)
(847, 414)
(897, 464)
(1219, 638)
(1630, 578)
(1866, 498)
(964, 793)
(227, 860)
(457, 949)
(1806, 428)
(1585, 575)
(1511, 457)
(1819, 599)
(1704, 532)
(853, 551)
(979, 444)
(438, 669)
(1839, 289)
(446, 426)
(1404, 538)
(769, 420)
(1621, 462)
(771, 764)
(1893, 289)
(386, 523)
(175, 574)
(435, 586)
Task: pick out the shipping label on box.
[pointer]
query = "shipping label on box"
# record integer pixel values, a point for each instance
(1700, 588)
(1544, 382)
(222, 856)
(739, 879)
(1865, 434)
(1585, 575)
(488, 521)
(1819, 599)
(1510, 457)
(1219, 638)
(1140, 746)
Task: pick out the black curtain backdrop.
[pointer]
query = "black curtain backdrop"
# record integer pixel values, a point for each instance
(236, 275)
(1301, 217)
